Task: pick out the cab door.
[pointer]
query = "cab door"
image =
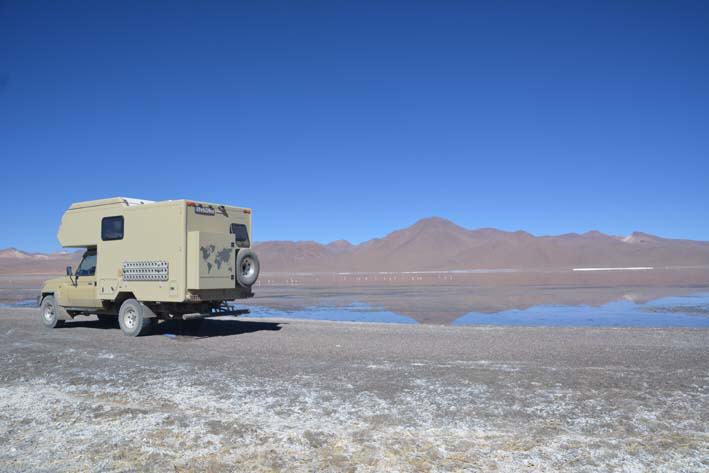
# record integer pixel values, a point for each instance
(80, 290)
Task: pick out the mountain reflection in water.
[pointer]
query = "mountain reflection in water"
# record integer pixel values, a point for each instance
(458, 305)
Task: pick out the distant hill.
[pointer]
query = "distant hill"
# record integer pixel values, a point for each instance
(14, 261)
(438, 244)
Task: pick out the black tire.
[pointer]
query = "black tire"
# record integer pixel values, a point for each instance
(247, 268)
(132, 318)
(48, 313)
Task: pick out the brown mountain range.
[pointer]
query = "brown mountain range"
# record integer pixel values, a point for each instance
(435, 244)
(439, 244)
(14, 261)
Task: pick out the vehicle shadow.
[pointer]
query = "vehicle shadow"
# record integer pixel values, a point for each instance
(179, 329)
(210, 328)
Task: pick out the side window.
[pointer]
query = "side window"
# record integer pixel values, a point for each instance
(241, 235)
(87, 267)
(112, 228)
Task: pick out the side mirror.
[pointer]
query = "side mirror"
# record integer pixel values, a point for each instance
(69, 271)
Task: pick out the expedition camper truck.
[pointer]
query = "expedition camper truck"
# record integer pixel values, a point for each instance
(147, 260)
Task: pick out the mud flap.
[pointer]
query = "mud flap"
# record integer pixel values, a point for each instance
(147, 312)
(61, 313)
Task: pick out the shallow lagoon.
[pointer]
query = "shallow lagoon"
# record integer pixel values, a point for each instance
(689, 310)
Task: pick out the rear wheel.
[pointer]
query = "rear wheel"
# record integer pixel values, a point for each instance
(48, 311)
(132, 319)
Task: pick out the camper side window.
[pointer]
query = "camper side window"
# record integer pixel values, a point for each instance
(241, 235)
(112, 228)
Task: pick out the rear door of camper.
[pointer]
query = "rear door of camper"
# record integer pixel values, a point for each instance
(215, 233)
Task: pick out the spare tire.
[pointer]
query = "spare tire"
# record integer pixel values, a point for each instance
(247, 268)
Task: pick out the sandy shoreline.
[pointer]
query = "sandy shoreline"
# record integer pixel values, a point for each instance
(282, 394)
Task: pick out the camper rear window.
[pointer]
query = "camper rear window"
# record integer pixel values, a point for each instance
(112, 228)
(241, 235)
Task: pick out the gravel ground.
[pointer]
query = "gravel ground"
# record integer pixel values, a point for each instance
(255, 395)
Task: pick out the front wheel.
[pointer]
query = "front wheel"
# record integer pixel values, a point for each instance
(132, 318)
(48, 311)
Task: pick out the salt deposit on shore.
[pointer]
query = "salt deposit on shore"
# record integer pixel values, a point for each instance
(301, 396)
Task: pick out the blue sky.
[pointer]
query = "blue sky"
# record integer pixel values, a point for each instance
(347, 120)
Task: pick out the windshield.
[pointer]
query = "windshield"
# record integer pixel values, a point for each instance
(87, 267)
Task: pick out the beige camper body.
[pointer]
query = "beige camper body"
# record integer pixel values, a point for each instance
(175, 256)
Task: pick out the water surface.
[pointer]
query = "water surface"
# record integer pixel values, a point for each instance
(690, 310)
